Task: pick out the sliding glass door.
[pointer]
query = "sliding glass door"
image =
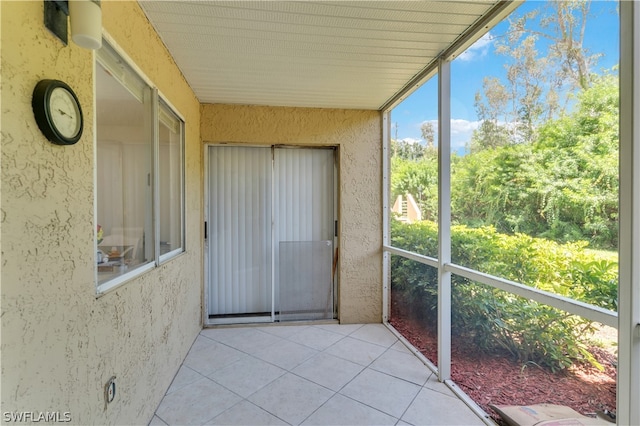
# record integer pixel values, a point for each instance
(271, 231)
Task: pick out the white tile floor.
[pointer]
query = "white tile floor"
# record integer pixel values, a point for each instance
(307, 375)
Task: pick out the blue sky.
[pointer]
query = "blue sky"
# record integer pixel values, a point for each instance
(479, 61)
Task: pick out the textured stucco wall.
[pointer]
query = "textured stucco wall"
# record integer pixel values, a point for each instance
(359, 137)
(60, 344)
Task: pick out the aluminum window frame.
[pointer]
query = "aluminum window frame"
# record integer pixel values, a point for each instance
(162, 258)
(157, 101)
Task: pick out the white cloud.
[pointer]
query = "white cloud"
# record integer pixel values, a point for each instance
(411, 140)
(461, 132)
(462, 127)
(478, 49)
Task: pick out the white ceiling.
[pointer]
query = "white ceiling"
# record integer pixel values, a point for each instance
(332, 54)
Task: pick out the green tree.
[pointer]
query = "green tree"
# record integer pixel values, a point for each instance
(565, 28)
(536, 85)
(564, 186)
(428, 134)
(578, 162)
(489, 104)
(418, 178)
(407, 150)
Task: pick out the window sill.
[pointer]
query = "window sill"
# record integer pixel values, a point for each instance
(118, 281)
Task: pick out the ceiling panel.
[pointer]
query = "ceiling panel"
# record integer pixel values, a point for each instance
(333, 54)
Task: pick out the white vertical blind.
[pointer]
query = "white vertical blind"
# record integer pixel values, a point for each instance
(240, 230)
(303, 180)
(243, 252)
(303, 203)
(305, 284)
(109, 177)
(136, 196)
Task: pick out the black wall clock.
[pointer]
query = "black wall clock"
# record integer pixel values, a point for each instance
(57, 112)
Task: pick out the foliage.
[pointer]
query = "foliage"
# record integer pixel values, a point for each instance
(565, 28)
(577, 158)
(539, 186)
(494, 319)
(99, 233)
(418, 178)
(564, 186)
(407, 150)
(428, 135)
(536, 85)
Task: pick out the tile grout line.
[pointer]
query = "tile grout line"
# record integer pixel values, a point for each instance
(346, 384)
(368, 366)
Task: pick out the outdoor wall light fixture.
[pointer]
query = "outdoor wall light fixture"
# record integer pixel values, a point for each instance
(85, 17)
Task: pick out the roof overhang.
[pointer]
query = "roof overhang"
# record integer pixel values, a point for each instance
(335, 54)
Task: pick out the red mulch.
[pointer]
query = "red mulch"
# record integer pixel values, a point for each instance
(501, 380)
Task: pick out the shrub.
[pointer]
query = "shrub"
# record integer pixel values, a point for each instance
(498, 320)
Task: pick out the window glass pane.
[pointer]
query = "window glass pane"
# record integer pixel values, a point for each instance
(171, 180)
(414, 304)
(124, 166)
(414, 171)
(535, 189)
(508, 350)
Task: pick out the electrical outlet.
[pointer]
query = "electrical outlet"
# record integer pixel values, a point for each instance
(110, 390)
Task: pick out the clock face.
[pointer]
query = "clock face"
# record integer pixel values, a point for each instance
(64, 111)
(57, 112)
